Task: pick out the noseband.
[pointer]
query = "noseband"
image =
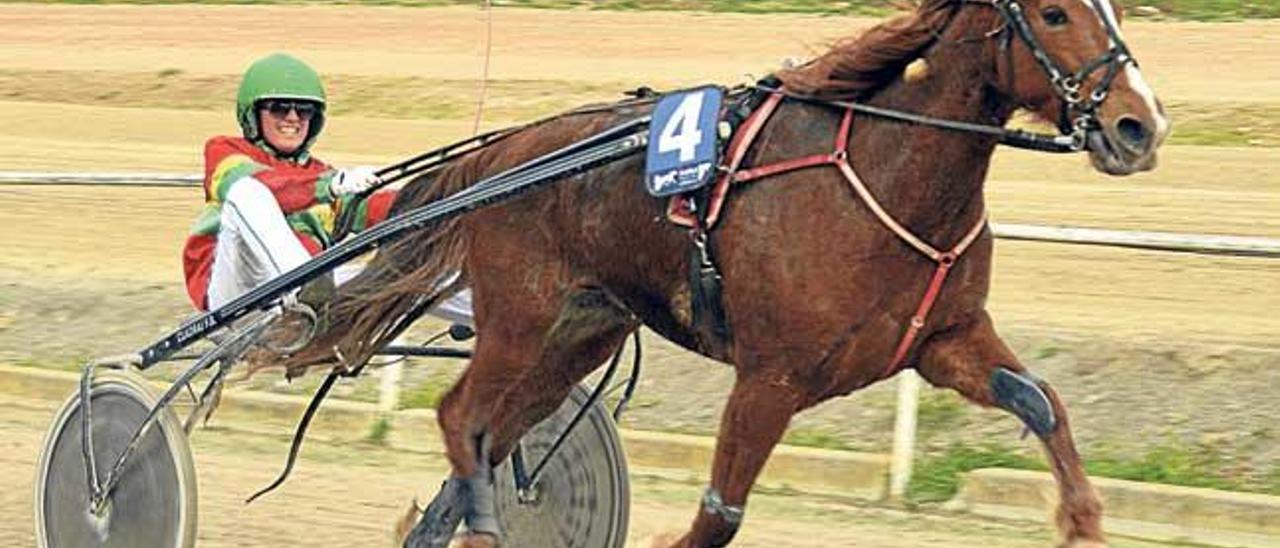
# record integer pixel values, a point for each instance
(1079, 114)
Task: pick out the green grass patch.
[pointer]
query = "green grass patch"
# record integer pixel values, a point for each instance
(822, 438)
(371, 96)
(1173, 464)
(1046, 352)
(1199, 10)
(379, 431)
(936, 478)
(1231, 124)
(939, 410)
(1212, 10)
(428, 394)
(1226, 124)
(1271, 483)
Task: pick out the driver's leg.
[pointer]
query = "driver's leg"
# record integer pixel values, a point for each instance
(255, 243)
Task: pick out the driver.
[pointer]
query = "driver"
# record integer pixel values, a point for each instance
(269, 204)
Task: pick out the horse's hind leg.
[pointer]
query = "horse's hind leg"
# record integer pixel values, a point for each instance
(590, 326)
(500, 355)
(974, 361)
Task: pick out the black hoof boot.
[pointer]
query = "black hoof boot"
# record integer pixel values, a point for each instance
(482, 516)
(1021, 395)
(442, 517)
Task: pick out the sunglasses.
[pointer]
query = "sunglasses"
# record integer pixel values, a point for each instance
(280, 108)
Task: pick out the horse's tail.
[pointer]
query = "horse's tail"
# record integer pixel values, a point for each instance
(404, 280)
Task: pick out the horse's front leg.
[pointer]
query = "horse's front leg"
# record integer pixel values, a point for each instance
(974, 361)
(755, 417)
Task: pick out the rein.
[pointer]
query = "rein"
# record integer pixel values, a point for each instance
(1017, 138)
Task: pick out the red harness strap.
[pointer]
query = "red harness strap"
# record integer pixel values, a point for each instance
(680, 213)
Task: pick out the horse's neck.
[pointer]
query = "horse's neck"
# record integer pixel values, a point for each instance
(932, 178)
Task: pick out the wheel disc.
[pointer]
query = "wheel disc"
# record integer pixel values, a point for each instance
(154, 503)
(582, 497)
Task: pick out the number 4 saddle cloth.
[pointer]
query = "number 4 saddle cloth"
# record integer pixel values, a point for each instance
(746, 115)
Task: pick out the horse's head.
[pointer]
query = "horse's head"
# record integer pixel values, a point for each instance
(1067, 61)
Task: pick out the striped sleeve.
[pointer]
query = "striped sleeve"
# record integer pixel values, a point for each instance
(227, 171)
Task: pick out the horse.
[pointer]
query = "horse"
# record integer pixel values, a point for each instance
(823, 266)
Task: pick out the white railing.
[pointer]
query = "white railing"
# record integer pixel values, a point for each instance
(43, 178)
(1160, 241)
(908, 381)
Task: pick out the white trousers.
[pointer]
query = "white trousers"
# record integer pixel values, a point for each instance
(256, 244)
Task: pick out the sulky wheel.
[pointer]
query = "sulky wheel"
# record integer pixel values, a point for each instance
(153, 505)
(582, 497)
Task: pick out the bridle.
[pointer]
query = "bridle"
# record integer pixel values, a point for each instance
(1080, 114)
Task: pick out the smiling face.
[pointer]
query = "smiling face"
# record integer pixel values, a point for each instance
(285, 124)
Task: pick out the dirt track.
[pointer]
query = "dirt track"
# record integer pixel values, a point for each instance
(344, 496)
(1152, 297)
(93, 271)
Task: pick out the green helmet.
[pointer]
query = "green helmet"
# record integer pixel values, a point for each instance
(278, 76)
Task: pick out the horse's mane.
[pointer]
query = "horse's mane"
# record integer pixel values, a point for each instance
(855, 67)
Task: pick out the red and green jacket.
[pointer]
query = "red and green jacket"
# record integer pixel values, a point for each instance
(301, 189)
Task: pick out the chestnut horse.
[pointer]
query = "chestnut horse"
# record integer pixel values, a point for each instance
(819, 287)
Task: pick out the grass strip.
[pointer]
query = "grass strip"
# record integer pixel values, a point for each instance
(1230, 124)
(937, 477)
(1196, 10)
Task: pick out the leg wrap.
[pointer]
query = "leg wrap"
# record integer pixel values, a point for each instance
(713, 504)
(481, 515)
(1020, 394)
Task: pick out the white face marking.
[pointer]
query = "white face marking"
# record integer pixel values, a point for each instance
(1136, 81)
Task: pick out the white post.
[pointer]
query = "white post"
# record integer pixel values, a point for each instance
(389, 388)
(904, 434)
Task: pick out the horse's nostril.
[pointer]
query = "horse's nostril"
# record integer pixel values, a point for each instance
(1133, 134)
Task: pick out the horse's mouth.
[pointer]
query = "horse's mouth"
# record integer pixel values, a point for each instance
(1110, 158)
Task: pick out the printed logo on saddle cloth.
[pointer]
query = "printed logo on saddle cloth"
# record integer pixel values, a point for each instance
(682, 153)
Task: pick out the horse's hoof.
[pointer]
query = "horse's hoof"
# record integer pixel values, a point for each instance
(404, 525)
(442, 517)
(479, 540)
(1084, 543)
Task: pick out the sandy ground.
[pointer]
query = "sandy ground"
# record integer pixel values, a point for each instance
(134, 235)
(342, 496)
(1151, 348)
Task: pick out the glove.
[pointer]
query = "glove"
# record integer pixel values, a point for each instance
(353, 180)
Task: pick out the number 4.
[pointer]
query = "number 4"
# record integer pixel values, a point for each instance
(681, 132)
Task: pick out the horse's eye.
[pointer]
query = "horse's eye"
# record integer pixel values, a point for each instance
(1054, 16)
